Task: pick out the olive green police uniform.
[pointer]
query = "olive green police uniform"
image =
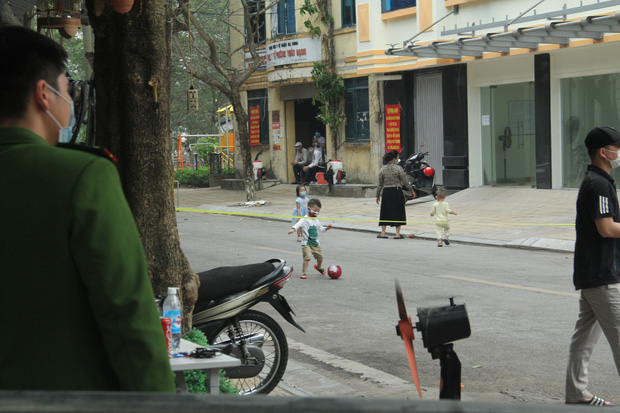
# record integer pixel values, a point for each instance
(77, 306)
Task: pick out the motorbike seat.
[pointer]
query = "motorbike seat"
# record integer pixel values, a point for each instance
(222, 281)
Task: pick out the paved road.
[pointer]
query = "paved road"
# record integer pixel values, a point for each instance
(515, 217)
(521, 305)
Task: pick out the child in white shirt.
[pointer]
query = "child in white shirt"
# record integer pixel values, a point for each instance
(310, 227)
(440, 211)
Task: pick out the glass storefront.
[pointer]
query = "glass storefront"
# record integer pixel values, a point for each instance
(586, 102)
(508, 135)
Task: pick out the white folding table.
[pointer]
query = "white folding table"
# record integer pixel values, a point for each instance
(211, 365)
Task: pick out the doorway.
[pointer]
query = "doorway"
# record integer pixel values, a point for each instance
(306, 123)
(509, 135)
(428, 109)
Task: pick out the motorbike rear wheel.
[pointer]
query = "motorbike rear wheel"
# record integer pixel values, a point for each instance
(274, 347)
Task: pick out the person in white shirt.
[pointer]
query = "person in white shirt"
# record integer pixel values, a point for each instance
(311, 169)
(310, 227)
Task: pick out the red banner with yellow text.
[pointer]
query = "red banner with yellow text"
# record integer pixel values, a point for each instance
(392, 128)
(254, 125)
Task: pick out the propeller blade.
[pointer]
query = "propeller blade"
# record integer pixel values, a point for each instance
(405, 326)
(402, 310)
(406, 331)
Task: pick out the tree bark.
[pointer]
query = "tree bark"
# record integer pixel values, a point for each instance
(244, 145)
(132, 80)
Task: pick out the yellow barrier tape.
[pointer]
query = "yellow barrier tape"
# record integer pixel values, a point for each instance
(250, 214)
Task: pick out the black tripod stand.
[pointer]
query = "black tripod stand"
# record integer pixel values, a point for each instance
(450, 374)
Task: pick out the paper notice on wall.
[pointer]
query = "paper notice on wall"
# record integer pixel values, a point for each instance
(275, 128)
(486, 120)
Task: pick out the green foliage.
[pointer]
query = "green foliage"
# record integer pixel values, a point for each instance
(196, 178)
(310, 9)
(330, 86)
(204, 150)
(330, 90)
(226, 385)
(197, 337)
(196, 380)
(214, 18)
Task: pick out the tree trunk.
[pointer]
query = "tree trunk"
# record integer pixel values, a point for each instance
(244, 145)
(334, 104)
(132, 80)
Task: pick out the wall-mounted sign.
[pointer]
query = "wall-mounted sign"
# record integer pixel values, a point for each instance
(392, 127)
(254, 125)
(263, 57)
(288, 52)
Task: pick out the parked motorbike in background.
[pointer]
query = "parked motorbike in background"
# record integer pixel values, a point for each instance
(420, 175)
(222, 312)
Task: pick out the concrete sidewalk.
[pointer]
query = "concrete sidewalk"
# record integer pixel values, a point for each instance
(498, 216)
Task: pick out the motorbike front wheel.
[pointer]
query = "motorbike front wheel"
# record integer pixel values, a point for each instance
(274, 347)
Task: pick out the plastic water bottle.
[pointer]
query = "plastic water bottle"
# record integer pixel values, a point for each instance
(172, 310)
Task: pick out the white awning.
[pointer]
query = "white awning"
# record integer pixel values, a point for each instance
(561, 33)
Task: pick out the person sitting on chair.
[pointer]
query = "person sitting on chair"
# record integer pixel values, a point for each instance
(311, 169)
(302, 158)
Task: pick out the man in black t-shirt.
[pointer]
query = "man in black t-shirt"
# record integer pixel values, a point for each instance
(596, 264)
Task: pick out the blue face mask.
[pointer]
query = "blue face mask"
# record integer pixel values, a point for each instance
(64, 133)
(302, 194)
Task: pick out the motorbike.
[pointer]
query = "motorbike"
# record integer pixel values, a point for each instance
(420, 175)
(222, 312)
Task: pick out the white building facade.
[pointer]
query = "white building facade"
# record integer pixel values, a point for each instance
(501, 92)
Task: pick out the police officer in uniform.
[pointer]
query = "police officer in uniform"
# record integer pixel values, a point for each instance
(596, 264)
(78, 305)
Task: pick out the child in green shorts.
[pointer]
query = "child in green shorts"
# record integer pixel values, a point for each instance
(310, 227)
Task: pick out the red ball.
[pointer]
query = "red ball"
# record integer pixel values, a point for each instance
(334, 271)
(428, 171)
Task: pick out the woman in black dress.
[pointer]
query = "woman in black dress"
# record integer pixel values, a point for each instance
(389, 192)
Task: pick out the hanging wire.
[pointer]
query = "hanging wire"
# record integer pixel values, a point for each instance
(189, 31)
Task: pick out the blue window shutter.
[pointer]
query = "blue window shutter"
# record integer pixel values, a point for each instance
(281, 18)
(290, 13)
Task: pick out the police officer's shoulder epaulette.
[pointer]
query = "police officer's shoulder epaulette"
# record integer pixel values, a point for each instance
(95, 150)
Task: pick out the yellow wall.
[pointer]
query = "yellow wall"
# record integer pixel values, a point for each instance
(346, 44)
(363, 23)
(289, 111)
(361, 161)
(275, 161)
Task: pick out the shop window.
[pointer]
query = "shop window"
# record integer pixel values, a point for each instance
(348, 13)
(258, 98)
(356, 110)
(586, 102)
(256, 9)
(391, 5)
(509, 134)
(286, 17)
